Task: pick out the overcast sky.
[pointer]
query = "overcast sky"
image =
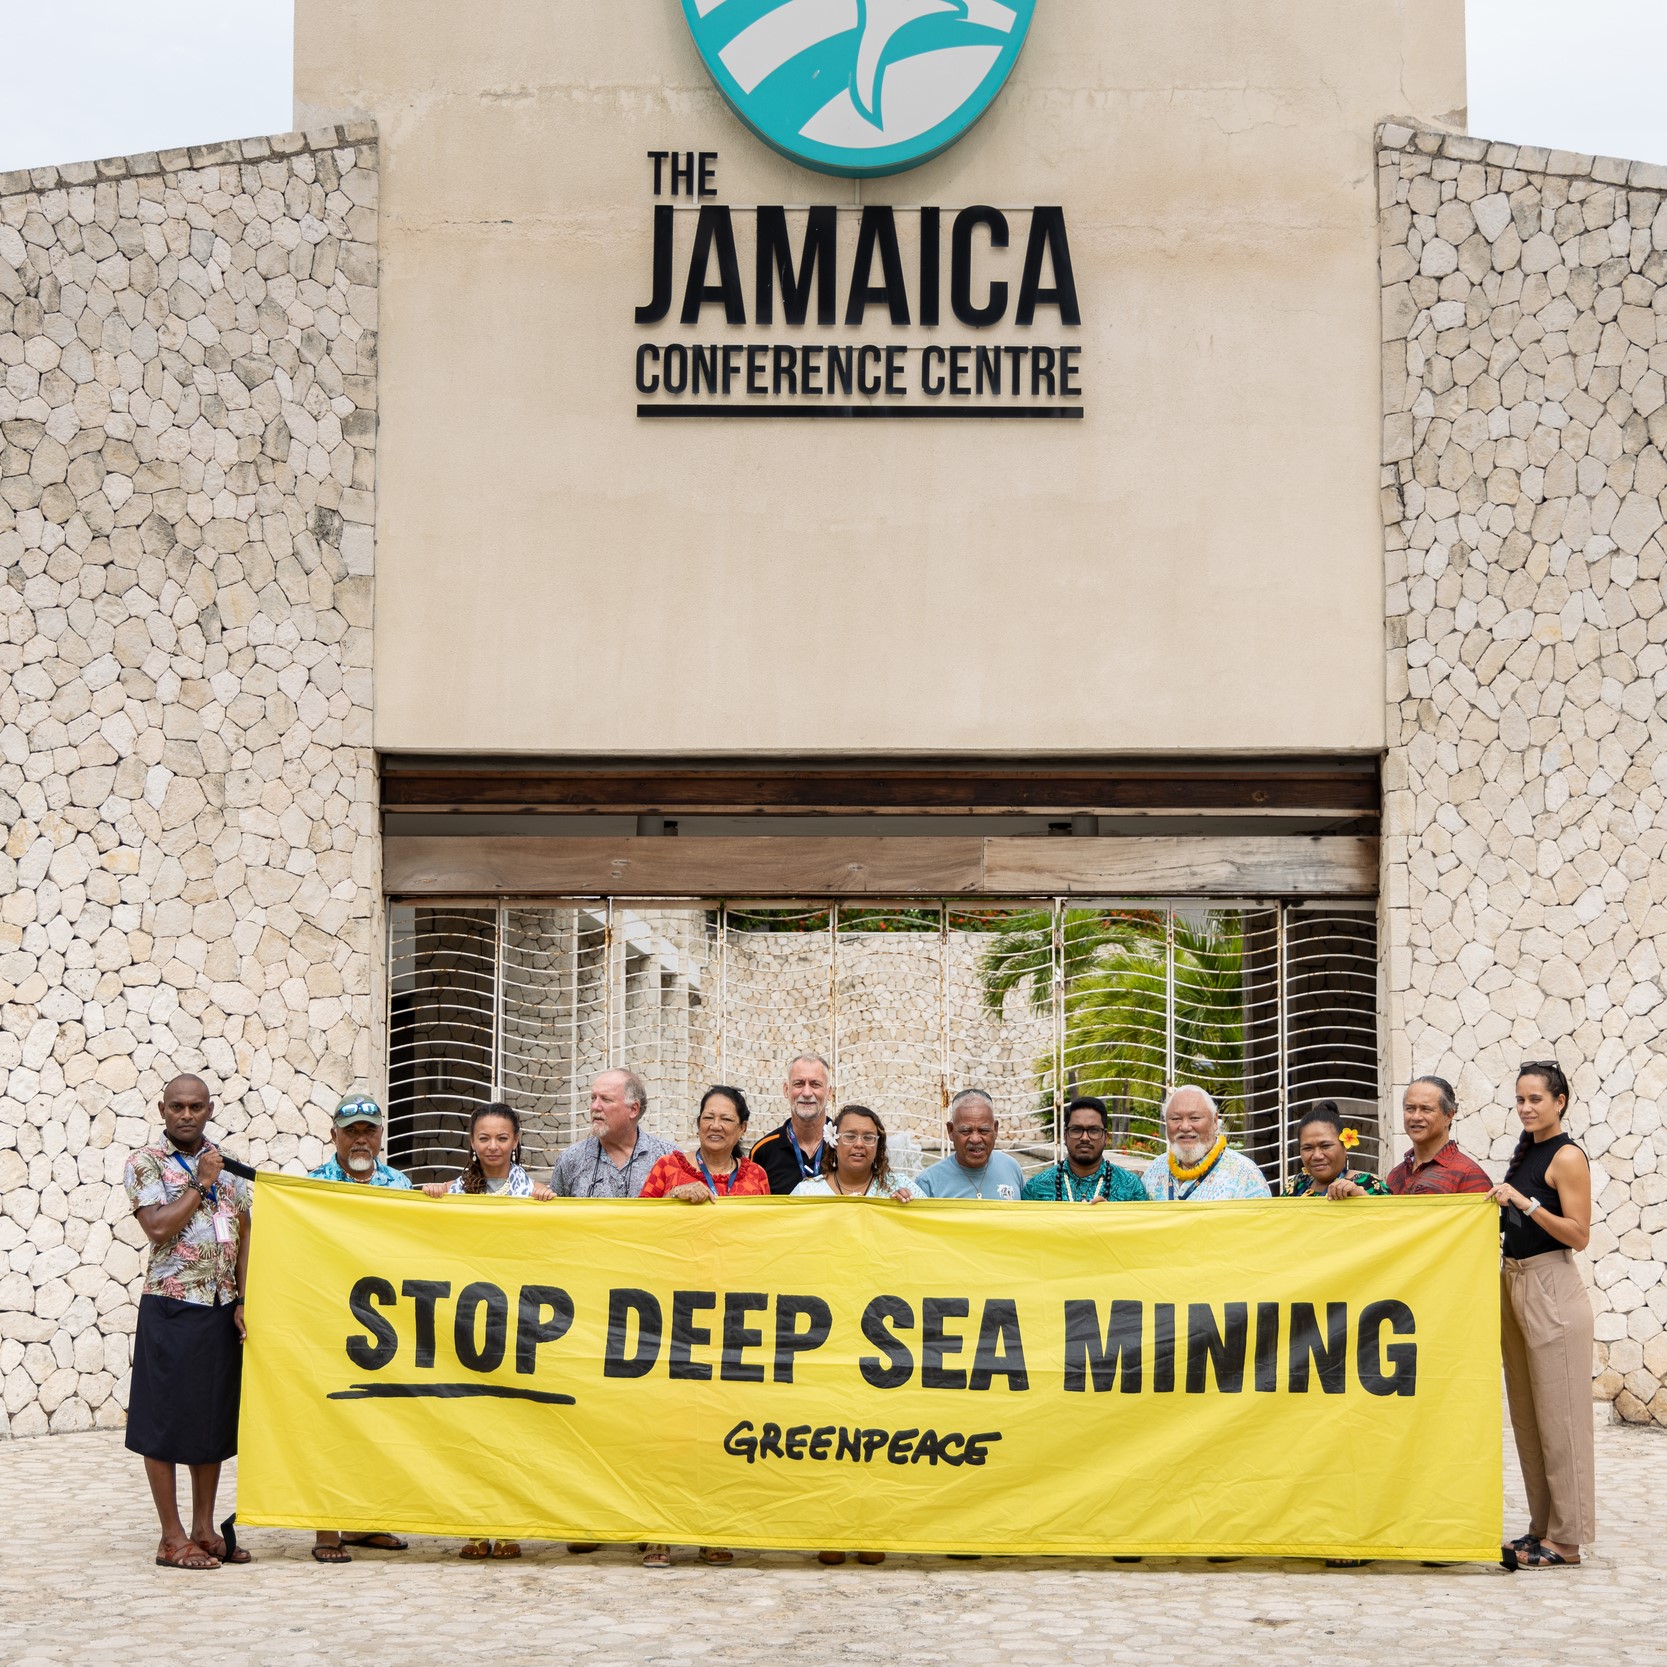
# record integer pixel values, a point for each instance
(1580, 75)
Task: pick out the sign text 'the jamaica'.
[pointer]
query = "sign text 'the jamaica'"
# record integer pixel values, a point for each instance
(853, 311)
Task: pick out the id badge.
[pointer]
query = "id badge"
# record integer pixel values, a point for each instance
(225, 1229)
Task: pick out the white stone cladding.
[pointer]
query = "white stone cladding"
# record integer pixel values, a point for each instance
(1525, 496)
(190, 870)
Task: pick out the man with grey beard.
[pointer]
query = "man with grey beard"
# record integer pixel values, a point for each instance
(1199, 1164)
(357, 1129)
(793, 1153)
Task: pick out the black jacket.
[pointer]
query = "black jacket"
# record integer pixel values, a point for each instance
(774, 1154)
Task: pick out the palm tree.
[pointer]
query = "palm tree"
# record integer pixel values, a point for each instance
(1117, 997)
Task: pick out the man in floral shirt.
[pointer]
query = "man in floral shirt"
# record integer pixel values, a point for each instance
(187, 1349)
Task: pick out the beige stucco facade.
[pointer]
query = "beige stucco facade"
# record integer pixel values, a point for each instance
(556, 575)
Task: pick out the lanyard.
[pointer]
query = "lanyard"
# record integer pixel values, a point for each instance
(809, 1168)
(213, 1193)
(596, 1167)
(712, 1185)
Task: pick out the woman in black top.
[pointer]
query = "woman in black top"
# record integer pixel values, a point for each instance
(1545, 1204)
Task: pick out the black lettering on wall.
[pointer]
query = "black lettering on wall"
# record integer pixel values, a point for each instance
(898, 1366)
(714, 230)
(665, 224)
(622, 1305)
(1330, 1353)
(371, 1354)
(1087, 1356)
(931, 266)
(1048, 240)
(878, 235)
(820, 261)
(1402, 1376)
(994, 309)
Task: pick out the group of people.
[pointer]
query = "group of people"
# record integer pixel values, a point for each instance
(193, 1204)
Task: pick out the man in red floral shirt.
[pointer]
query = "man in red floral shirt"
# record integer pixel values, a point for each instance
(1435, 1163)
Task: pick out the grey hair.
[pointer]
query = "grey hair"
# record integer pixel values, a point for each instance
(1449, 1100)
(967, 1094)
(810, 1059)
(635, 1094)
(1190, 1088)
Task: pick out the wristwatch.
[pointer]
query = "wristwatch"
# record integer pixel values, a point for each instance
(1530, 1207)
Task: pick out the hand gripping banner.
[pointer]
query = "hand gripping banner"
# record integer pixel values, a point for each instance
(1293, 1379)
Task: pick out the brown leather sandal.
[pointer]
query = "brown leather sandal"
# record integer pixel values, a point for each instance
(186, 1555)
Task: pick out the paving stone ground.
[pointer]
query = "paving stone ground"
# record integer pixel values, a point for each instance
(77, 1585)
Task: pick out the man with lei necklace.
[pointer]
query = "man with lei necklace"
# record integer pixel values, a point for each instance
(1199, 1165)
(1084, 1175)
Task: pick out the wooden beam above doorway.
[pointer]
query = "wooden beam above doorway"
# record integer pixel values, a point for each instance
(1340, 787)
(763, 867)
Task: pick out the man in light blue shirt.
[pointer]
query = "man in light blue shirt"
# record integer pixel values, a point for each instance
(977, 1170)
(357, 1130)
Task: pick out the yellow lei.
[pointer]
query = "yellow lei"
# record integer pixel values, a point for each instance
(1182, 1173)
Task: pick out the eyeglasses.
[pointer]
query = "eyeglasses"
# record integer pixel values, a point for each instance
(857, 1140)
(1538, 1065)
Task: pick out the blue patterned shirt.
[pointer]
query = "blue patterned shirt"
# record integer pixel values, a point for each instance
(381, 1176)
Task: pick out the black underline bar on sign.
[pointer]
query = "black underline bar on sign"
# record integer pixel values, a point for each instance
(999, 413)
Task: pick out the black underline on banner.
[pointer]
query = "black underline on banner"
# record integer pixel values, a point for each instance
(999, 413)
(447, 1392)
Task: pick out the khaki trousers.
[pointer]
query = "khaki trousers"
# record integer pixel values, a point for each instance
(1546, 1335)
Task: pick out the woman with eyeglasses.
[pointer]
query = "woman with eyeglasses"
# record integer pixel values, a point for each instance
(854, 1165)
(1545, 1204)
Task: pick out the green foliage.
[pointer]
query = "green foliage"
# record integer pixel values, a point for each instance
(1116, 996)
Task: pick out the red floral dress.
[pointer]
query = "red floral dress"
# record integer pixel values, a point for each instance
(745, 1180)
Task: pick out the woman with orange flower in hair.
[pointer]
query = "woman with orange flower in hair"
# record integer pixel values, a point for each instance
(1324, 1144)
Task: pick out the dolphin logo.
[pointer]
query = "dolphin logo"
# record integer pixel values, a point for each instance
(877, 22)
(851, 87)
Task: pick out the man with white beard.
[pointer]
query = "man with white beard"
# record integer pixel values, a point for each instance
(357, 1129)
(1199, 1164)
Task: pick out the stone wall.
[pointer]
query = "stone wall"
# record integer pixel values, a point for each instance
(190, 877)
(1524, 492)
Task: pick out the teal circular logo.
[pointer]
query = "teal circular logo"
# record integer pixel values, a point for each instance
(860, 87)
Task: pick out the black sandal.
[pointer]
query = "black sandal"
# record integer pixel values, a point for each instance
(381, 1540)
(331, 1554)
(1538, 1556)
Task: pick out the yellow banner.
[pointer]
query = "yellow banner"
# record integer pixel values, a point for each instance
(1296, 1379)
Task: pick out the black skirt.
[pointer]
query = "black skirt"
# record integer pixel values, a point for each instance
(187, 1375)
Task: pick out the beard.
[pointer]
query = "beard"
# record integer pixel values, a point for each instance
(1190, 1150)
(359, 1162)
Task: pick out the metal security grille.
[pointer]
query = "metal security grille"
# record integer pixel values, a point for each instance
(1269, 1007)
